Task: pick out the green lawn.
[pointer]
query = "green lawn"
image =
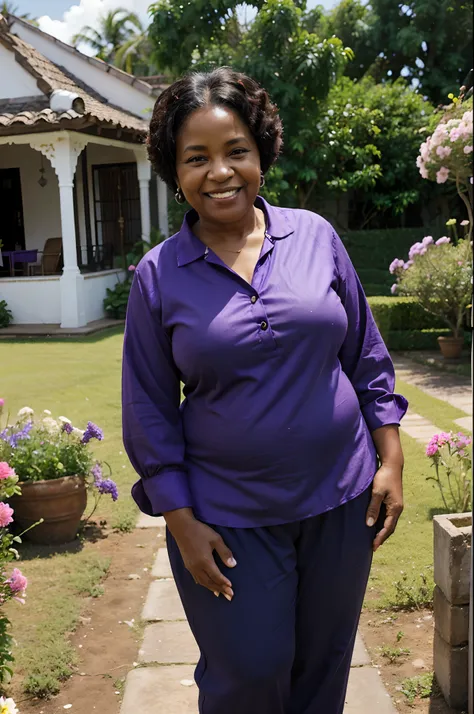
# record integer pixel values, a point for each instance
(81, 380)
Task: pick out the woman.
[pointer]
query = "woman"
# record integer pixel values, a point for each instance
(272, 473)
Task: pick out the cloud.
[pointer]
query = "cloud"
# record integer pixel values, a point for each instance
(88, 12)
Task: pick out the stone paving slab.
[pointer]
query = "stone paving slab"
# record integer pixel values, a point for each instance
(465, 423)
(162, 566)
(169, 643)
(145, 521)
(366, 693)
(360, 656)
(451, 388)
(162, 602)
(158, 690)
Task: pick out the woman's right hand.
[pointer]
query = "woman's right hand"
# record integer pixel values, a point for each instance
(197, 543)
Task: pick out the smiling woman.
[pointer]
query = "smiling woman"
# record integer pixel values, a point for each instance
(267, 473)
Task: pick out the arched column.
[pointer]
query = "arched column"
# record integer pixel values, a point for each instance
(63, 152)
(144, 176)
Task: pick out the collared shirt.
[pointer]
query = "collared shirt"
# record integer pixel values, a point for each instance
(284, 378)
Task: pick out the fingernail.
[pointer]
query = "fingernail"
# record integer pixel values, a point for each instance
(231, 562)
(216, 593)
(227, 597)
(370, 522)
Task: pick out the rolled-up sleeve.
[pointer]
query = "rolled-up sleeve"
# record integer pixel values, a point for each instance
(152, 429)
(364, 357)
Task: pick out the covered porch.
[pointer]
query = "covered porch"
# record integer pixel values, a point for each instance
(73, 205)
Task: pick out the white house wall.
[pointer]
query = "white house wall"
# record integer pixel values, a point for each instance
(116, 90)
(14, 80)
(41, 214)
(95, 286)
(33, 300)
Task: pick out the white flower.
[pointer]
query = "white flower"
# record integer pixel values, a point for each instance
(47, 412)
(64, 420)
(52, 426)
(77, 434)
(8, 706)
(24, 412)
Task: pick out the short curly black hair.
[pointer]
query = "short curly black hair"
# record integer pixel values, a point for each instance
(222, 86)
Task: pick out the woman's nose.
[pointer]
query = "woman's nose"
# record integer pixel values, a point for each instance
(220, 171)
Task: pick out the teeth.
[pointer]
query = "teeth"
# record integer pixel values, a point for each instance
(224, 194)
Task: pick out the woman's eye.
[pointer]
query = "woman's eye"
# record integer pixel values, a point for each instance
(195, 159)
(238, 152)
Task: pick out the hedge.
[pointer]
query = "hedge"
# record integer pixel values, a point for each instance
(418, 339)
(402, 314)
(377, 248)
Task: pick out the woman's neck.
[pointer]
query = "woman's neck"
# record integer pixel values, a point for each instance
(210, 232)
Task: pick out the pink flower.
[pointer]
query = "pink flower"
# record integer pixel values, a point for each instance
(5, 515)
(2, 402)
(6, 471)
(131, 268)
(443, 151)
(17, 582)
(454, 134)
(468, 149)
(394, 288)
(432, 448)
(460, 262)
(443, 240)
(442, 175)
(395, 265)
(427, 240)
(464, 223)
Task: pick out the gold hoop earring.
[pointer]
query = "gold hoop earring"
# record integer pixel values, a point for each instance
(179, 197)
(262, 180)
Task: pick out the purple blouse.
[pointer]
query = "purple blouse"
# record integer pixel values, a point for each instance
(284, 379)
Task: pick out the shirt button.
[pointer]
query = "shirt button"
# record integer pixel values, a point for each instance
(264, 325)
(253, 299)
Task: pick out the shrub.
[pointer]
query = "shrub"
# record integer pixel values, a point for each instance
(5, 314)
(393, 314)
(438, 274)
(116, 300)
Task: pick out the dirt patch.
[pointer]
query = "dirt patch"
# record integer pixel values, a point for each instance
(106, 644)
(393, 632)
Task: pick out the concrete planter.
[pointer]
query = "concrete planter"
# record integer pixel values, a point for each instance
(452, 565)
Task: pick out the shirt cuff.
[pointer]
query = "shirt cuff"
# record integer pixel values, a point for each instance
(163, 492)
(387, 409)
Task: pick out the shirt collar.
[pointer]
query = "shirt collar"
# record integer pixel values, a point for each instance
(190, 248)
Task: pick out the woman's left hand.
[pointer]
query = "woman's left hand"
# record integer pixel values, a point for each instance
(387, 489)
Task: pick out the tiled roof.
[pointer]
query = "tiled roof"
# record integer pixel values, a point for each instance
(18, 115)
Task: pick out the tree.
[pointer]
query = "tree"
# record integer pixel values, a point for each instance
(296, 66)
(429, 41)
(117, 28)
(9, 8)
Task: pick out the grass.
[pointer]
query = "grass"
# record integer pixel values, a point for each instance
(81, 380)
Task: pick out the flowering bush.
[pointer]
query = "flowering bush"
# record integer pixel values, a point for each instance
(44, 448)
(450, 453)
(446, 155)
(13, 583)
(438, 273)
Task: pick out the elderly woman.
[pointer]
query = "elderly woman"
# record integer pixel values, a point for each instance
(280, 472)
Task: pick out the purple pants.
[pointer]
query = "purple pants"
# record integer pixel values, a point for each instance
(284, 644)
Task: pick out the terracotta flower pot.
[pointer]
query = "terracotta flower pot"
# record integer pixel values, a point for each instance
(451, 347)
(60, 502)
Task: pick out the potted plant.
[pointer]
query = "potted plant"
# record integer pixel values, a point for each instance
(56, 469)
(438, 273)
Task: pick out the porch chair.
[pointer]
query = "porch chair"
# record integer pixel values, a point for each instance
(51, 258)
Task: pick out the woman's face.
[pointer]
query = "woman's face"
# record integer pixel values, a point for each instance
(218, 164)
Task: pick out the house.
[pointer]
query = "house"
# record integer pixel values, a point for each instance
(76, 187)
